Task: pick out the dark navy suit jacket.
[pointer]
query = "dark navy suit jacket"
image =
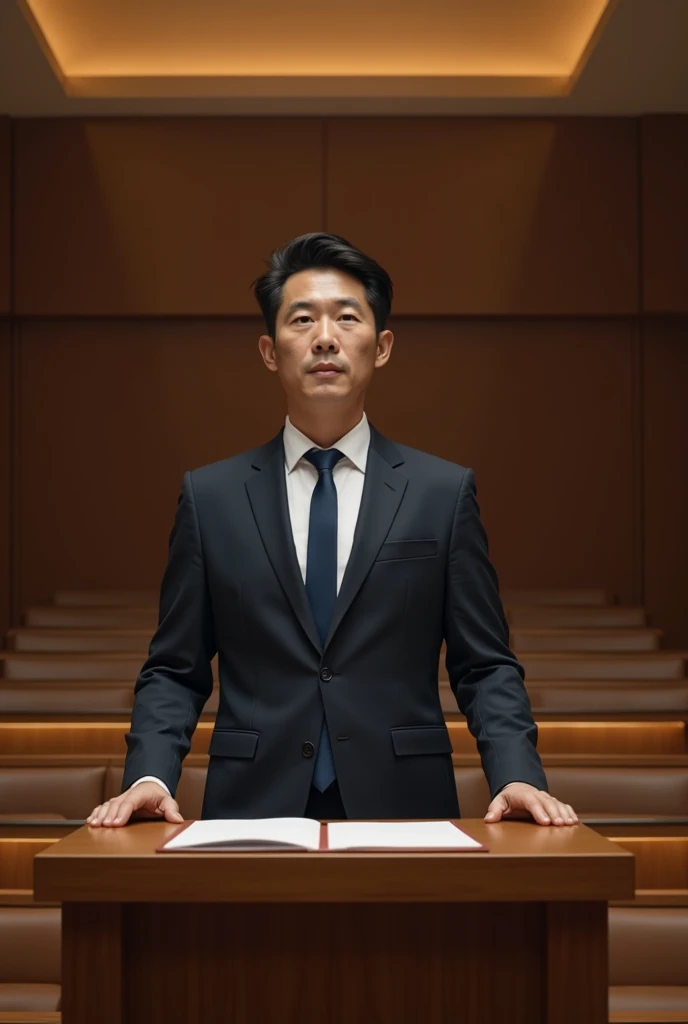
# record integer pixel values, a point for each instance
(419, 571)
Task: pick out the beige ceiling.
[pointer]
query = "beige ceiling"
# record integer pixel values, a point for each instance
(201, 47)
(636, 64)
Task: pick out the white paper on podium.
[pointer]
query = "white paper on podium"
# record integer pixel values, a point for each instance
(249, 833)
(390, 835)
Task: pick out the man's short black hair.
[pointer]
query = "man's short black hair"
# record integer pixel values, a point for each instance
(319, 249)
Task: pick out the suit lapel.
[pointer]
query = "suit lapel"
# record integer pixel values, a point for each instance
(383, 491)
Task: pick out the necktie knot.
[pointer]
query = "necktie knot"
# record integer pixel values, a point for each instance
(324, 458)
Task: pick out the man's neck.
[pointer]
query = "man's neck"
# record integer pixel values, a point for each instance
(325, 430)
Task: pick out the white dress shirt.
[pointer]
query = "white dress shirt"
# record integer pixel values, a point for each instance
(348, 475)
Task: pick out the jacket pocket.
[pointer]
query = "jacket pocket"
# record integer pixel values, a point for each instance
(233, 743)
(421, 739)
(408, 549)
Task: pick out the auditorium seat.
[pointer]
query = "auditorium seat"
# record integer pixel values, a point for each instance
(106, 598)
(92, 666)
(551, 596)
(648, 960)
(593, 791)
(613, 616)
(622, 698)
(528, 639)
(57, 617)
(594, 665)
(28, 697)
(30, 959)
(53, 792)
(104, 736)
(38, 698)
(71, 640)
(583, 697)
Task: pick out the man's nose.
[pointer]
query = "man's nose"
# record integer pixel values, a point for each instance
(327, 333)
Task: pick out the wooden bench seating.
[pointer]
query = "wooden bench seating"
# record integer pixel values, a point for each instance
(136, 639)
(51, 616)
(583, 699)
(80, 641)
(537, 616)
(611, 707)
(648, 961)
(538, 665)
(599, 788)
(528, 639)
(613, 616)
(30, 959)
(105, 735)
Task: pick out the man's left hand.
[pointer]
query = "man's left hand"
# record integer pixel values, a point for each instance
(519, 800)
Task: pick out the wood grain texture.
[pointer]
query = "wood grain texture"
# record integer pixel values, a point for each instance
(5, 215)
(16, 860)
(569, 436)
(526, 862)
(92, 963)
(491, 215)
(155, 216)
(661, 862)
(392, 964)
(6, 481)
(577, 963)
(664, 213)
(106, 737)
(30, 1017)
(665, 374)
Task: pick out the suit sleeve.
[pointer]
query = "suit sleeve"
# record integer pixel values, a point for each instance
(176, 679)
(485, 676)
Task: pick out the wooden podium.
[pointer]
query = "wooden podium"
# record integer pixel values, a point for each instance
(518, 934)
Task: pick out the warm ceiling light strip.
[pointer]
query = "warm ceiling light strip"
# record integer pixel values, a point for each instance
(466, 48)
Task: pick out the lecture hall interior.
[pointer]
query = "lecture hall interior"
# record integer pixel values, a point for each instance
(520, 167)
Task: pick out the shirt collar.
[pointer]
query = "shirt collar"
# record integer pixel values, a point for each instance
(354, 445)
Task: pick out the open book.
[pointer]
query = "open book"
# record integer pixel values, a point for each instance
(267, 834)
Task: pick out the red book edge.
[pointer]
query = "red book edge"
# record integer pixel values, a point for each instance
(323, 848)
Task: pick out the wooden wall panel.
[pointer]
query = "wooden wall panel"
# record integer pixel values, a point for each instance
(666, 476)
(5, 475)
(113, 413)
(5, 202)
(158, 216)
(665, 213)
(492, 216)
(543, 411)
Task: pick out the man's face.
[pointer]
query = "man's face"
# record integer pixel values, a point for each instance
(325, 318)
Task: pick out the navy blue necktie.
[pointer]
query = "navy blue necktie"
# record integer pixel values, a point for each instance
(321, 578)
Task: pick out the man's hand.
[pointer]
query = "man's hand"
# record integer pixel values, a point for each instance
(146, 800)
(519, 800)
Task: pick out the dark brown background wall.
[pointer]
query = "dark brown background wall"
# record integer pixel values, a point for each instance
(527, 257)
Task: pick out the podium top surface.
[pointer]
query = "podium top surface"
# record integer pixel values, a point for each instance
(525, 863)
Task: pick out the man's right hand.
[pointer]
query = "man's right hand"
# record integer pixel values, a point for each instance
(147, 800)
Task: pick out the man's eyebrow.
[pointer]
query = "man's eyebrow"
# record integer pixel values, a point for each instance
(348, 300)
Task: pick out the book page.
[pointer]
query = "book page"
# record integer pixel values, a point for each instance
(386, 835)
(246, 833)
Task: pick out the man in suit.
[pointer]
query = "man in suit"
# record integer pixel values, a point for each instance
(325, 568)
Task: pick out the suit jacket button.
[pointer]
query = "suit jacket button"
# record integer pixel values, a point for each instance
(325, 674)
(308, 749)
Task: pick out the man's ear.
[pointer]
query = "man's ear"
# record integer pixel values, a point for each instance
(385, 340)
(266, 345)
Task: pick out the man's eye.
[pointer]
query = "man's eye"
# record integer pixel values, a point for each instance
(300, 319)
(349, 315)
